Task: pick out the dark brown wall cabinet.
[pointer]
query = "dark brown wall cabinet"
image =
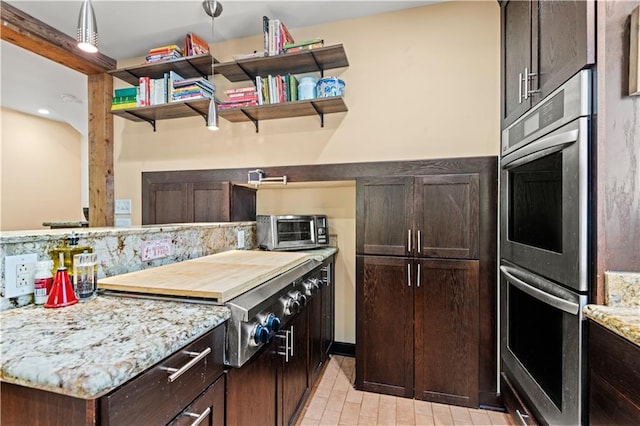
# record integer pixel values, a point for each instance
(419, 311)
(272, 387)
(543, 44)
(187, 202)
(614, 398)
(147, 399)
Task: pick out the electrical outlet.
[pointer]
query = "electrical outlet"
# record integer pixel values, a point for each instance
(18, 274)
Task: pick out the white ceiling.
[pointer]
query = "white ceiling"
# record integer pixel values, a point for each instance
(127, 29)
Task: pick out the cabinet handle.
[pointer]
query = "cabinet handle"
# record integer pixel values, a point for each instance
(409, 248)
(177, 372)
(291, 342)
(284, 336)
(519, 88)
(408, 275)
(199, 417)
(419, 246)
(527, 77)
(418, 277)
(522, 417)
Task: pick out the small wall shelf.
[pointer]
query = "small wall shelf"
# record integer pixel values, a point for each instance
(187, 67)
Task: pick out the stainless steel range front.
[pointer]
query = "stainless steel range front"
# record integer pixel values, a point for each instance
(258, 314)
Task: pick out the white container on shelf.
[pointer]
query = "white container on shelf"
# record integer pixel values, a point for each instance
(307, 88)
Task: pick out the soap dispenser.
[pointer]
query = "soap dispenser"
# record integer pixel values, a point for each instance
(69, 248)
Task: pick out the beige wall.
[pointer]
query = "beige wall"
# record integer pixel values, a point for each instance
(422, 83)
(39, 170)
(337, 201)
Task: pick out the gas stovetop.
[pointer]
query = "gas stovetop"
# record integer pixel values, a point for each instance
(258, 314)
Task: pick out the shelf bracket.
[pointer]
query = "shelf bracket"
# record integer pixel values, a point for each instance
(318, 65)
(197, 69)
(197, 112)
(253, 120)
(148, 120)
(249, 76)
(321, 114)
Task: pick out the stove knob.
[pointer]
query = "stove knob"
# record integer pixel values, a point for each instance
(309, 289)
(292, 306)
(273, 323)
(260, 334)
(302, 299)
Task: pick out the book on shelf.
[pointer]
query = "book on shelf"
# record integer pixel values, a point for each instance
(303, 43)
(231, 105)
(124, 105)
(305, 47)
(276, 36)
(123, 99)
(164, 53)
(143, 92)
(194, 45)
(125, 91)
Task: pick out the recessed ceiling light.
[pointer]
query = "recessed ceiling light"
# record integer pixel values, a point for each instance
(43, 111)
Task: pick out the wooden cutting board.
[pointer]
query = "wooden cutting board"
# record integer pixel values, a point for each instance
(219, 277)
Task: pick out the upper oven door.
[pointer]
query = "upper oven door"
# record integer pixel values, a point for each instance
(544, 205)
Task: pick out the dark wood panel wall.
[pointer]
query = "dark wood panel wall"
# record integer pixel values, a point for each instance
(617, 154)
(33, 35)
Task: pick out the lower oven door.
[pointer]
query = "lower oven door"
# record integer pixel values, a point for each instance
(543, 345)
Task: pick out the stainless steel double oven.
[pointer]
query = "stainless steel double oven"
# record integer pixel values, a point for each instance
(544, 250)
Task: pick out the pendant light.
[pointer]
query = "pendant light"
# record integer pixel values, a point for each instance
(213, 8)
(87, 32)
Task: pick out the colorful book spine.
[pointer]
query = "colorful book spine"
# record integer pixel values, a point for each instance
(126, 91)
(125, 105)
(144, 95)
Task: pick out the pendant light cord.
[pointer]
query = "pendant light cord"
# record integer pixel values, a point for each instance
(214, 5)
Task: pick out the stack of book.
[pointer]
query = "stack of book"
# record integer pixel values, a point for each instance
(303, 45)
(190, 88)
(124, 98)
(164, 53)
(276, 36)
(240, 97)
(194, 45)
(274, 89)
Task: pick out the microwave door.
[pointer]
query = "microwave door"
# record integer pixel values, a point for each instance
(295, 232)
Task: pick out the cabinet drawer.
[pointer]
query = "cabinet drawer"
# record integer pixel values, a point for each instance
(151, 398)
(208, 409)
(516, 407)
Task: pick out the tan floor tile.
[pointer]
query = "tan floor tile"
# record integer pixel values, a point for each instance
(460, 415)
(497, 418)
(308, 422)
(423, 407)
(479, 417)
(336, 400)
(342, 383)
(316, 407)
(405, 414)
(323, 390)
(441, 414)
(367, 421)
(330, 418)
(424, 420)
(354, 395)
(387, 414)
(388, 400)
(370, 403)
(350, 414)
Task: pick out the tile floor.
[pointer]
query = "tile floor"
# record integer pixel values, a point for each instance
(334, 401)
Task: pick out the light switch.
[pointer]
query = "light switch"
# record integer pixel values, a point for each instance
(123, 207)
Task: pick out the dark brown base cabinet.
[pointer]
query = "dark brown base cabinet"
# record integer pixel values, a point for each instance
(147, 399)
(614, 396)
(272, 387)
(418, 338)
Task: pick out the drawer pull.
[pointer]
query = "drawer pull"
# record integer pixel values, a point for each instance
(177, 372)
(199, 417)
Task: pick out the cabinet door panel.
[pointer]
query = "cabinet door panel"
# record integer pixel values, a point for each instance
(446, 355)
(212, 400)
(566, 42)
(447, 208)
(168, 203)
(384, 210)
(384, 331)
(211, 202)
(516, 56)
(252, 391)
(316, 323)
(294, 373)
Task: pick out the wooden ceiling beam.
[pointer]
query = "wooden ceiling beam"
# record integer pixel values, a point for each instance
(31, 34)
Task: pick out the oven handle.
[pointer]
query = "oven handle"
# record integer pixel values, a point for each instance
(555, 301)
(538, 149)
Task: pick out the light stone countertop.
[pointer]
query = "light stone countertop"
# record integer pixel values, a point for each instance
(90, 348)
(621, 314)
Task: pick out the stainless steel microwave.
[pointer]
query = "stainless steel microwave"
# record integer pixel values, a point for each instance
(292, 232)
